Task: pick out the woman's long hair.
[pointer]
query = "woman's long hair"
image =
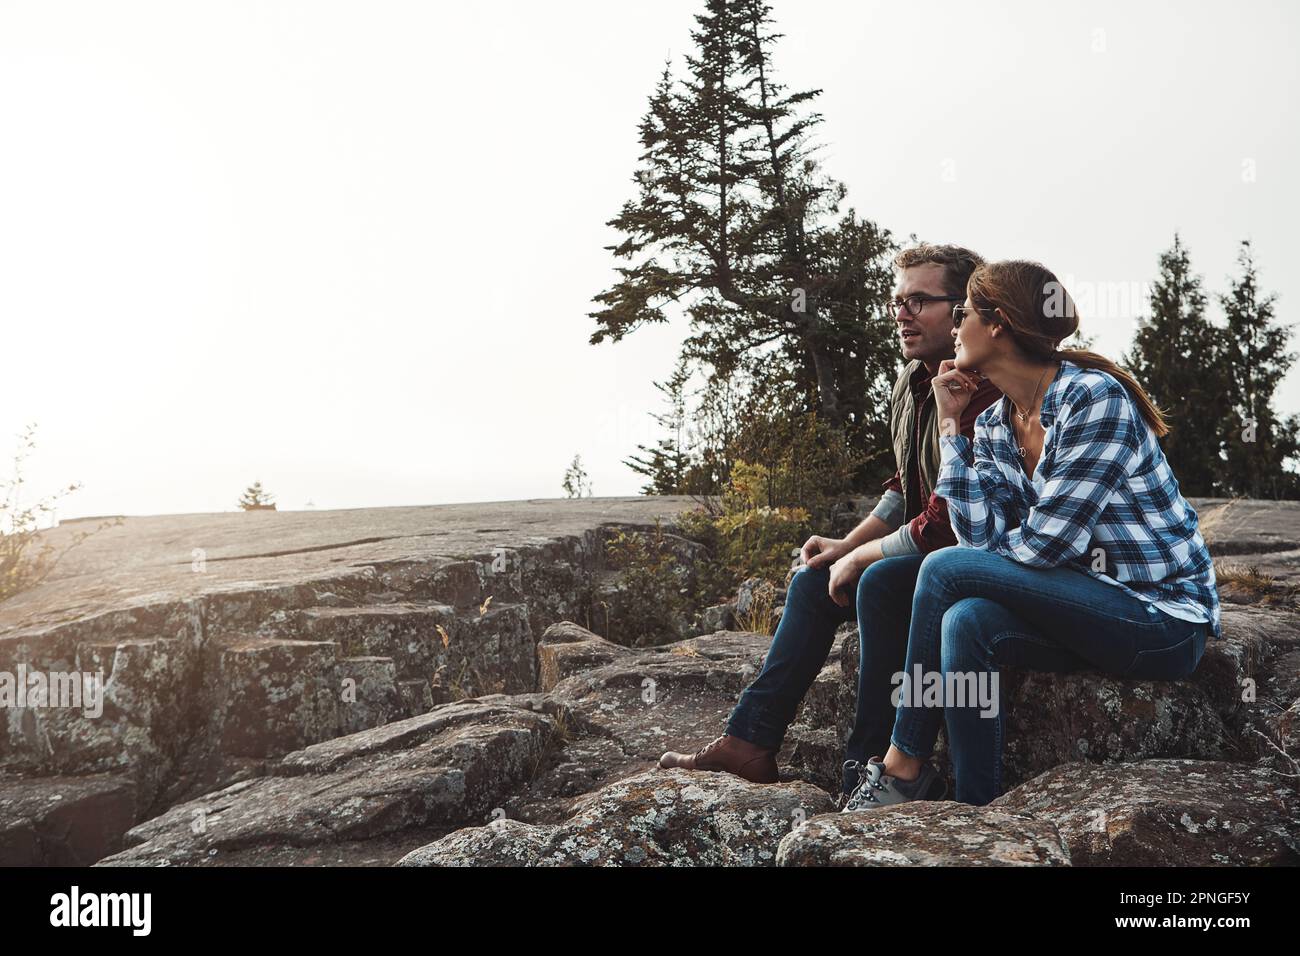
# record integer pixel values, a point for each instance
(1039, 314)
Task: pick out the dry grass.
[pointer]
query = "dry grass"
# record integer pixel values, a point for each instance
(470, 682)
(561, 733)
(1244, 577)
(26, 555)
(1280, 756)
(1246, 584)
(758, 618)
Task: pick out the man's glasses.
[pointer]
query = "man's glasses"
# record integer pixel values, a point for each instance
(913, 304)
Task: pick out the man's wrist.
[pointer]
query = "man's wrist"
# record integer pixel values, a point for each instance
(864, 554)
(869, 529)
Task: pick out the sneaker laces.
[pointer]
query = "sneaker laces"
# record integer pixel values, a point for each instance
(869, 780)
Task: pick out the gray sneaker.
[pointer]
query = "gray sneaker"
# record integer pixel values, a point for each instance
(877, 789)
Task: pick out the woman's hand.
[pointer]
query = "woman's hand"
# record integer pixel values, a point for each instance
(953, 389)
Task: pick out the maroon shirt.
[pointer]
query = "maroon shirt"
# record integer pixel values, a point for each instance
(931, 529)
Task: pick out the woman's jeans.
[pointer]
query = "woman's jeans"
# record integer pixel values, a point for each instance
(803, 640)
(974, 611)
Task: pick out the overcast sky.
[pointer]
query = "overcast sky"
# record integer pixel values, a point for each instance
(348, 248)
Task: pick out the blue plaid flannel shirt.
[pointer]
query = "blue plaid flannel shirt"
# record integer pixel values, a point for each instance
(1102, 482)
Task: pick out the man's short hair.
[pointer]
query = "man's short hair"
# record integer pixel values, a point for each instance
(958, 263)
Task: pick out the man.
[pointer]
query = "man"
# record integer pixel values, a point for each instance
(880, 557)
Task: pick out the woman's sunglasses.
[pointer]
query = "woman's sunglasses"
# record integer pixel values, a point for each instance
(960, 312)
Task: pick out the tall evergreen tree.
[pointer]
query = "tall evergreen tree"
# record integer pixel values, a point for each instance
(1176, 358)
(735, 223)
(1256, 441)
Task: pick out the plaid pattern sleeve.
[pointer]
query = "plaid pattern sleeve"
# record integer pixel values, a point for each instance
(932, 528)
(979, 499)
(1103, 499)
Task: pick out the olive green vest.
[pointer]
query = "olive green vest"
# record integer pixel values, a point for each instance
(903, 427)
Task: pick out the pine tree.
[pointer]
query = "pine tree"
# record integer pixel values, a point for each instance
(255, 498)
(667, 462)
(1176, 358)
(575, 480)
(735, 223)
(1255, 359)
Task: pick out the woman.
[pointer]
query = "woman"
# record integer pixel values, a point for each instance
(1077, 549)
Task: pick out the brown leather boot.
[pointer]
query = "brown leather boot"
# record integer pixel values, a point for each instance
(729, 754)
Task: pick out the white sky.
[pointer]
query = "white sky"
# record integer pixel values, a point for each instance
(348, 248)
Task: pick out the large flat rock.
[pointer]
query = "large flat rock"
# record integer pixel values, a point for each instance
(151, 559)
(224, 641)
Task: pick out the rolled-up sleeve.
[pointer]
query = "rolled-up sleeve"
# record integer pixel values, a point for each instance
(890, 508)
(899, 543)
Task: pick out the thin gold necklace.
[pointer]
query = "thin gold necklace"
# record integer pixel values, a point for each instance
(1024, 416)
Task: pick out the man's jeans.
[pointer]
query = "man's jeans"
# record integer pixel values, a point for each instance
(975, 610)
(803, 641)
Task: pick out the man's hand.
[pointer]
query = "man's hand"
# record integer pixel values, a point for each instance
(818, 552)
(844, 577)
(953, 389)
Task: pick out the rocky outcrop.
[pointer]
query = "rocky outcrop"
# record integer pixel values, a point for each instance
(680, 694)
(568, 777)
(566, 649)
(502, 842)
(656, 818)
(443, 770)
(596, 726)
(389, 711)
(630, 705)
(592, 732)
(1053, 719)
(1166, 813)
(64, 821)
(929, 833)
(244, 678)
(208, 689)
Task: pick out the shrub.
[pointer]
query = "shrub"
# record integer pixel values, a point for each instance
(652, 601)
(26, 559)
